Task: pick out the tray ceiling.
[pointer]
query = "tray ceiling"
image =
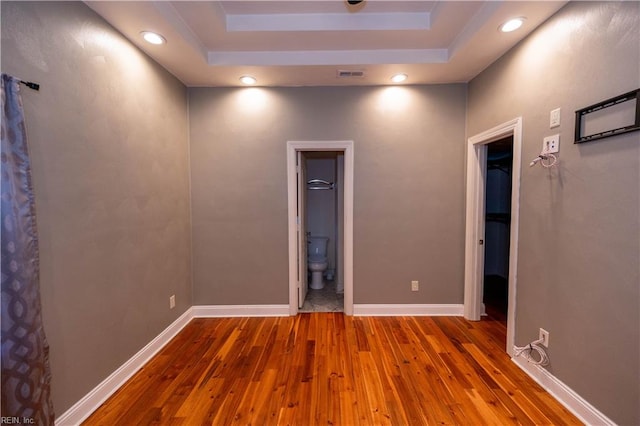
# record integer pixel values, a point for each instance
(307, 43)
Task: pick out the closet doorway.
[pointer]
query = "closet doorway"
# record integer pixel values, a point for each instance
(477, 154)
(497, 231)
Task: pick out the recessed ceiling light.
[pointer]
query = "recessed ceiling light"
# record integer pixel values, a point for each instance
(248, 80)
(399, 78)
(511, 25)
(153, 38)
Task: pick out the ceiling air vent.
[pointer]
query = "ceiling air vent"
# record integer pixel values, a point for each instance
(350, 73)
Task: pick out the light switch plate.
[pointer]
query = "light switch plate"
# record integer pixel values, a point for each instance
(554, 118)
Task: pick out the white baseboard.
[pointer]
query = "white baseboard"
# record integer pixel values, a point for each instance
(96, 397)
(564, 394)
(408, 310)
(91, 401)
(214, 311)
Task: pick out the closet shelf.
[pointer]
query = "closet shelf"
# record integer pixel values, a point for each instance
(498, 217)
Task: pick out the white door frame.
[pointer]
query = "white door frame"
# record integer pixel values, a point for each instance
(341, 146)
(475, 217)
(301, 230)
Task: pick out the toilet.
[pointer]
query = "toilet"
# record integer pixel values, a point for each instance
(317, 260)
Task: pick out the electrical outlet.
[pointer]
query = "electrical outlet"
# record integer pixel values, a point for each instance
(172, 301)
(415, 285)
(551, 144)
(544, 335)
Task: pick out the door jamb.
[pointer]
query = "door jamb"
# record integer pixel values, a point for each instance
(475, 216)
(341, 146)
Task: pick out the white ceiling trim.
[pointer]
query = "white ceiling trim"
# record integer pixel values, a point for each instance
(170, 14)
(330, 57)
(303, 42)
(329, 22)
(474, 25)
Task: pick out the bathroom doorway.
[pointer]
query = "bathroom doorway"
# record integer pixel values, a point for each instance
(320, 189)
(321, 213)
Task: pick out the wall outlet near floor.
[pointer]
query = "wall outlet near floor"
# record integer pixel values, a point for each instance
(172, 301)
(544, 335)
(415, 285)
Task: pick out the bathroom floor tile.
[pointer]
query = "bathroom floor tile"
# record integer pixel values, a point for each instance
(325, 300)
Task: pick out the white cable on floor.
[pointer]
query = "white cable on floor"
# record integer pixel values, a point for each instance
(530, 348)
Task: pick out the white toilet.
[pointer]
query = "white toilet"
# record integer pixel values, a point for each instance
(317, 260)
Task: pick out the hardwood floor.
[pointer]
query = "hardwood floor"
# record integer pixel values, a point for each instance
(331, 369)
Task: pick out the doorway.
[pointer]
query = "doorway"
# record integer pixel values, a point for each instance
(322, 175)
(477, 154)
(495, 294)
(298, 153)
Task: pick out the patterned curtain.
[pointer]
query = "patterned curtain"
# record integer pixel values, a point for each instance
(25, 352)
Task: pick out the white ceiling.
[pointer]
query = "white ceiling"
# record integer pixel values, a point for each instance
(305, 42)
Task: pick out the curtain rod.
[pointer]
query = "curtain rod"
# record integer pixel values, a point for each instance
(30, 85)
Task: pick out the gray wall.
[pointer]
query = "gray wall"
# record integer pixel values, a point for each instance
(108, 141)
(579, 248)
(108, 137)
(408, 202)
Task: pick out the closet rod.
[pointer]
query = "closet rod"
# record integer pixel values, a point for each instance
(319, 184)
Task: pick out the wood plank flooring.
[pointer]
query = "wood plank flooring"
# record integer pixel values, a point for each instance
(332, 369)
